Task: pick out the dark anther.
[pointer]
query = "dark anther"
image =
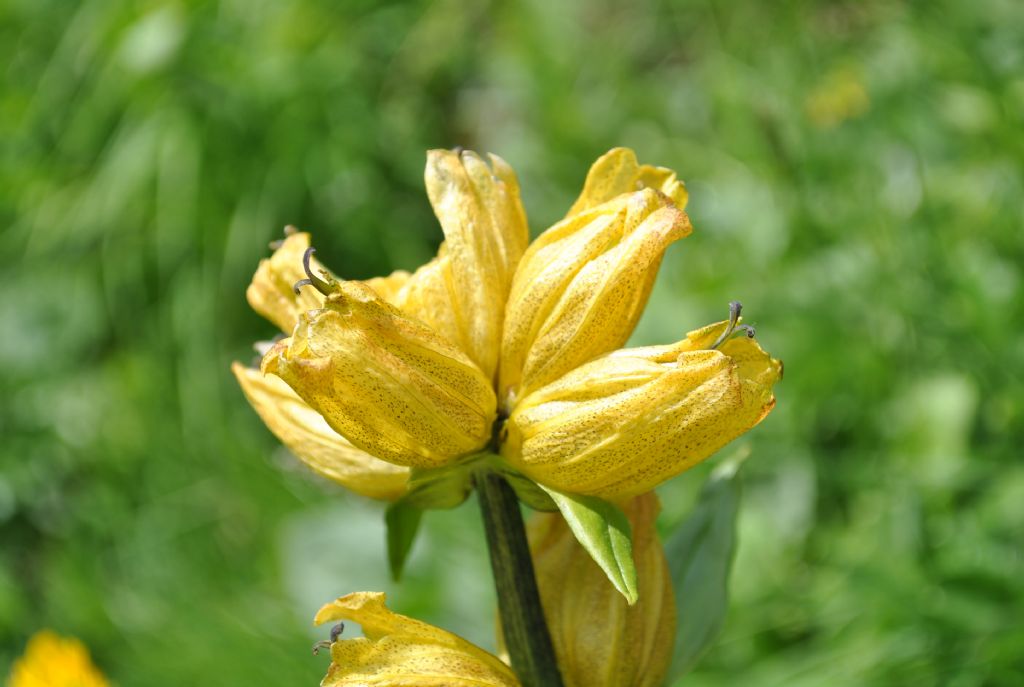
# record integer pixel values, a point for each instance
(326, 643)
(336, 631)
(312, 280)
(735, 308)
(746, 329)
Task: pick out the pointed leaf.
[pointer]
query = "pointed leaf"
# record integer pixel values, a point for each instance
(603, 530)
(700, 554)
(403, 522)
(528, 491)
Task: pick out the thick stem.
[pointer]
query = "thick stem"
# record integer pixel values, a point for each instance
(522, 618)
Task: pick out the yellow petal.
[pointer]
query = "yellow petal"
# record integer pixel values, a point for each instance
(390, 286)
(272, 292)
(306, 434)
(54, 661)
(617, 172)
(485, 235)
(397, 650)
(623, 423)
(599, 640)
(582, 286)
(385, 381)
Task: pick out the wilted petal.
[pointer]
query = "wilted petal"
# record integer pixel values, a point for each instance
(582, 286)
(306, 434)
(397, 650)
(601, 641)
(272, 293)
(623, 423)
(617, 172)
(485, 235)
(385, 381)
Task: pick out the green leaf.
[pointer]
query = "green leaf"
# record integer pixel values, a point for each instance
(528, 491)
(403, 522)
(603, 530)
(444, 487)
(700, 554)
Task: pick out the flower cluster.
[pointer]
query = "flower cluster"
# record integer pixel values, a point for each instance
(502, 347)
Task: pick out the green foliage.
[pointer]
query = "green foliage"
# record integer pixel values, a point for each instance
(603, 530)
(700, 554)
(855, 179)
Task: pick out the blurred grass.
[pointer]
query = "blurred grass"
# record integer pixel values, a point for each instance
(856, 178)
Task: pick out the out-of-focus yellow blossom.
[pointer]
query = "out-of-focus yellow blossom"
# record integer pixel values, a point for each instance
(414, 369)
(54, 661)
(599, 639)
(398, 651)
(840, 96)
(627, 421)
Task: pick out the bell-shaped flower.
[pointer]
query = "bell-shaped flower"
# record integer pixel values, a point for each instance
(599, 640)
(399, 651)
(582, 285)
(485, 235)
(627, 421)
(307, 435)
(385, 381)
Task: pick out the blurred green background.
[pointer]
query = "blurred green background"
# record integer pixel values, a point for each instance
(856, 175)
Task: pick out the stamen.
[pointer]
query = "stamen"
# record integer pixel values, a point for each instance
(735, 308)
(746, 329)
(326, 643)
(336, 631)
(316, 282)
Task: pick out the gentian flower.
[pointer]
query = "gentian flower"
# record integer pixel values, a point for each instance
(496, 347)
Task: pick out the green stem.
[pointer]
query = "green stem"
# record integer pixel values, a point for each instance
(522, 618)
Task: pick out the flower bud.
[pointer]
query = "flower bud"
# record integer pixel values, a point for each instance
(582, 285)
(385, 381)
(485, 234)
(599, 640)
(399, 651)
(627, 421)
(306, 434)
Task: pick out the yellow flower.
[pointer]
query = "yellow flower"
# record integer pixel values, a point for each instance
(401, 651)
(387, 382)
(600, 640)
(627, 421)
(420, 370)
(306, 434)
(54, 661)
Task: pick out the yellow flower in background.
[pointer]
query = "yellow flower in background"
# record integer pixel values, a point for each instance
(627, 421)
(600, 640)
(420, 370)
(54, 661)
(839, 96)
(400, 651)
